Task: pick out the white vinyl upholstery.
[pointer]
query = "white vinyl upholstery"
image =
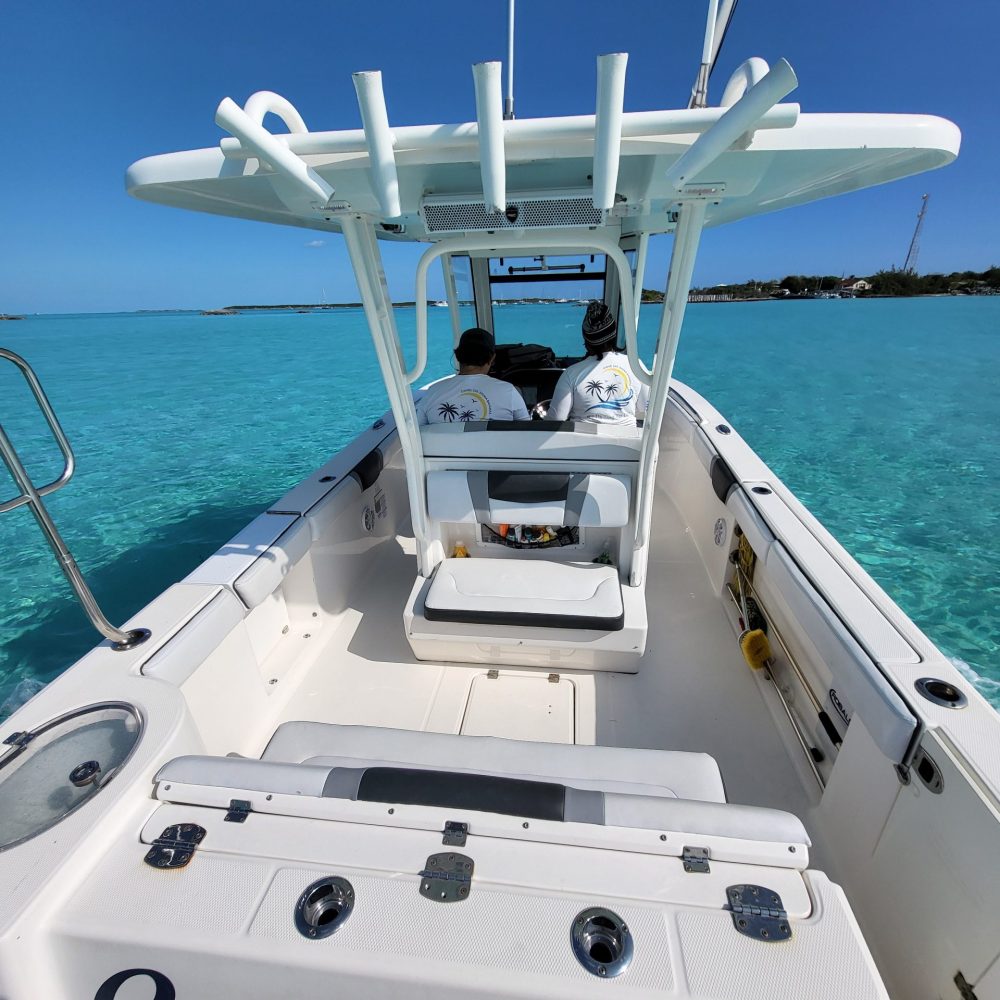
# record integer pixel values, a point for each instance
(264, 575)
(587, 800)
(590, 501)
(528, 592)
(183, 653)
(589, 442)
(657, 773)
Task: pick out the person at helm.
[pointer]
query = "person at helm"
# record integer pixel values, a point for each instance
(602, 387)
(472, 394)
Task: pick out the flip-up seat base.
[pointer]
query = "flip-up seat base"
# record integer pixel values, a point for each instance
(535, 593)
(527, 612)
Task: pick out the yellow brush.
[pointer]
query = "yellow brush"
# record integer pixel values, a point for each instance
(756, 649)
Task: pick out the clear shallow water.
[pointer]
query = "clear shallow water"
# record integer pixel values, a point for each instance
(881, 415)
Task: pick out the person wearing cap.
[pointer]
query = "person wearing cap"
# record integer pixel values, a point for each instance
(472, 394)
(602, 387)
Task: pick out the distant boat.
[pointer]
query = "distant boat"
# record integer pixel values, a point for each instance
(440, 305)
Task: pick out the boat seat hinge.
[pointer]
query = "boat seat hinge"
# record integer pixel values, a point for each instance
(239, 809)
(21, 739)
(175, 847)
(758, 912)
(696, 860)
(447, 878)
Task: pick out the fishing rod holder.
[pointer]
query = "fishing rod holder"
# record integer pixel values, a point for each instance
(31, 496)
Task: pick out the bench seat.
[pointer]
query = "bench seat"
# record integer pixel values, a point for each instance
(660, 773)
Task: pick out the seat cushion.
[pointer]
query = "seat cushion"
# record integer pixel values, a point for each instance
(585, 500)
(659, 773)
(529, 592)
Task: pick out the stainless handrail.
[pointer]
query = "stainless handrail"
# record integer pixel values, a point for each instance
(57, 432)
(32, 496)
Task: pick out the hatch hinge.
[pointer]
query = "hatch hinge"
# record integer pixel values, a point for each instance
(758, 912)
(964, 989)
(447, 878)
(454, 834)
(696, 860)
(19, 739)
(239, 809)
(175, 847)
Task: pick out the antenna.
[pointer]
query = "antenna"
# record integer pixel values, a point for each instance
(508, 101)
(720, 15)
(911, 257)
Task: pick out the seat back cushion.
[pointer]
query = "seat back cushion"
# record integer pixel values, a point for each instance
(566, 499)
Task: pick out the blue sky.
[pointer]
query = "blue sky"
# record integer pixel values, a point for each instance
(92, 87)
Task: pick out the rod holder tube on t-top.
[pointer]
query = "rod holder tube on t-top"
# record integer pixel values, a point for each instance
(32, 496)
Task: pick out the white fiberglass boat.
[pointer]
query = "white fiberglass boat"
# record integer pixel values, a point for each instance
(338, 758)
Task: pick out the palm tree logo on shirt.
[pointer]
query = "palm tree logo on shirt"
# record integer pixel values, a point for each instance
(448, 412)
(615, 395)
(466, 416)
(605, 393)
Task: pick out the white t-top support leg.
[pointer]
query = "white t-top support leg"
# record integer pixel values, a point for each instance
(686, 240)
(451, 296)
(367, 262)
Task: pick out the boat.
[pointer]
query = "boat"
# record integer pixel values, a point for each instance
(675, 743)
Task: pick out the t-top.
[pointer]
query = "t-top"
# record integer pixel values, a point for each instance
(470, 397)
(602, 390)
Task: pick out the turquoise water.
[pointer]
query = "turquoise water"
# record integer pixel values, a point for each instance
(881, 415)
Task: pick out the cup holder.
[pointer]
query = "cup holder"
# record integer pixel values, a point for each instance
(324, 906)
(941, 692)
(602, 942)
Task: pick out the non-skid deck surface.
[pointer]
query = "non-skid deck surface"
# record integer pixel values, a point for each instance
(693, 690)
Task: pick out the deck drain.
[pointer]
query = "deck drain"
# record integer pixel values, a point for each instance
(602, 942)
(324, 906)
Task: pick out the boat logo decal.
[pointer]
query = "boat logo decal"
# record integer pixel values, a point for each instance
(720, 531)
(108, 990)
(839, 706)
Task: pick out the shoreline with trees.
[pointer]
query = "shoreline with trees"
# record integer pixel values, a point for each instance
(892, 283)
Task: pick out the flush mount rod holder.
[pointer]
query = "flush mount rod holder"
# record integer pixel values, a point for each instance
(32, 497)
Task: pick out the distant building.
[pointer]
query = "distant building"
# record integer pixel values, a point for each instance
(852, 285)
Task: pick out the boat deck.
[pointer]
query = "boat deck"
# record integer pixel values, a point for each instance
(693, 690)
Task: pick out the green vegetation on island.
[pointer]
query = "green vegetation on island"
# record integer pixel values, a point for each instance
(890, 283)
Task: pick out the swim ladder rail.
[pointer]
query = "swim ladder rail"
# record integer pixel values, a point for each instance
(32, 496)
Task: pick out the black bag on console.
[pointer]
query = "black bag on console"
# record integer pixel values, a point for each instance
(521, 357)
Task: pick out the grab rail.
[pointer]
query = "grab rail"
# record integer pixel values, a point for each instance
(32, 496)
